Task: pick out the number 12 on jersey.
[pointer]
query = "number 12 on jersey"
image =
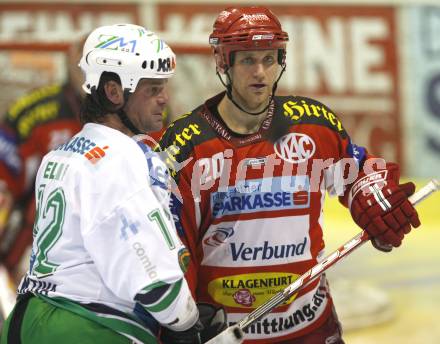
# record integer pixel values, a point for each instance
(48, 227)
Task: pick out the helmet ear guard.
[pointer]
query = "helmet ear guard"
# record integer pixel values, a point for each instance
(220, 60)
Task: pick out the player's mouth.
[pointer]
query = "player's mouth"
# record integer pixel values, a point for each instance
(257, 87)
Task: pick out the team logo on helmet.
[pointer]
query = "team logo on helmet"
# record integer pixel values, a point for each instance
(223, 16)
(115, 43)
(256, 17)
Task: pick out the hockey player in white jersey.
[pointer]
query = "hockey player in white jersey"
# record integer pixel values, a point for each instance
(107, 265)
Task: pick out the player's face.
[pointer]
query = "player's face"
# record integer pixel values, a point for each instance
(253, 75)
(146, 105)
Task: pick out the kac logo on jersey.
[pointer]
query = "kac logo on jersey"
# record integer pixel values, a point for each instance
(295, 147)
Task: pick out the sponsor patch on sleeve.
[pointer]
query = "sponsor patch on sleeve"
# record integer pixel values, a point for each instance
(356, 152)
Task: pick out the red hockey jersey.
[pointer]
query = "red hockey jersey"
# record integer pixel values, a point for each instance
(35, 124)
(249, 208)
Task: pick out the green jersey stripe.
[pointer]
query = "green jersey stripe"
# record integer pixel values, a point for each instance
(167, 300)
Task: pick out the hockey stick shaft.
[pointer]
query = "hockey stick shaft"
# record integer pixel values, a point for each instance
(322, 266)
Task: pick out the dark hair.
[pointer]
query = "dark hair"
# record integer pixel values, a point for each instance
(96, 105)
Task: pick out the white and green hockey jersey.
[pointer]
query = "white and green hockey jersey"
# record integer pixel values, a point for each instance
(103, 233)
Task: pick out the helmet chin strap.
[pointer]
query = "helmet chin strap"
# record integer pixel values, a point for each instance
(228, 87)
(124, 118)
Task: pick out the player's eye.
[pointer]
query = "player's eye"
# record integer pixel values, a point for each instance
(269, 60)
(155, 90)
(247, 61)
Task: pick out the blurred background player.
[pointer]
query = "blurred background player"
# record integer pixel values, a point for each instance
(107, 264)
(33, 125)
(251, 196)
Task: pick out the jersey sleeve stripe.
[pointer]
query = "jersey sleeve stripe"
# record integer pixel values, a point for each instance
(167, 300)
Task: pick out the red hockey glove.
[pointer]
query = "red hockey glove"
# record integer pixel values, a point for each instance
(381, 207)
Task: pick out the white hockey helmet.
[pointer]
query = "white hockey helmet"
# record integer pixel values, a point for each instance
(130, 51)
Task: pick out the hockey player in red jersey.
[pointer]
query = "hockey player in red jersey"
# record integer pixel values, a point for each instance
(33, 125)
(252, 170)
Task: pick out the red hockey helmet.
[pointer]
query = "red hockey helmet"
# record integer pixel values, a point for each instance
(247, 28)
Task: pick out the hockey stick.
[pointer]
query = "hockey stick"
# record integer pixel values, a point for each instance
(319, 268)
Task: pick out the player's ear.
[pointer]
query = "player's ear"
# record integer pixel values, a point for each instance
(113, 92)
